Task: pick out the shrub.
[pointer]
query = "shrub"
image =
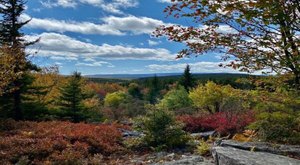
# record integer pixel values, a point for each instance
(115, 99)
(223, 122)
(161, 130)
(121, 105)
(56, 141)
(216, 98)
(176, 99)
(203, 148)
(277, 116)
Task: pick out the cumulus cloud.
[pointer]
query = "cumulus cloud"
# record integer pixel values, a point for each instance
(111, 6)
(111, 25)
(57, 46)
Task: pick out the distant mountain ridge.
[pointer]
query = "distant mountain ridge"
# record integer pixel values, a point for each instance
(138, 76)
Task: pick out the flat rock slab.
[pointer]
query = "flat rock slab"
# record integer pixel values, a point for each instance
(291, 150)
(234, 156)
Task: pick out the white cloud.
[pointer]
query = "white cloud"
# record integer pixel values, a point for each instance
(111, 25)
(198, 67)
(61, 46)
(62, 3)
(111, 6)
(153, 43)
(63, 58)
(136, 25)
(164, 1)
(95, 64)
(70, 26)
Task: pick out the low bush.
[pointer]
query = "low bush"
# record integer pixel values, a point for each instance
(161, 130)
(55, 142)
(277, 116)
(203, 148)
(222, 122)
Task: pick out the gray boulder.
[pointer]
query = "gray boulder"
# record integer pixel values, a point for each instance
(234, 156)
(291, 150)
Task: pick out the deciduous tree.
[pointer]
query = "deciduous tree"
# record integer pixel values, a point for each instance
(258, 34)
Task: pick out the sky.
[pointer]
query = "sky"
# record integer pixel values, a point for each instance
(108, 37)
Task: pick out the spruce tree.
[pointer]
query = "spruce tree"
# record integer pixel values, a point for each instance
(187, 80)
(11, 37)
(154, 90)
(71, 98)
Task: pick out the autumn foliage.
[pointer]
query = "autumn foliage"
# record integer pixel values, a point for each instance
(222, 122)
(53, 142)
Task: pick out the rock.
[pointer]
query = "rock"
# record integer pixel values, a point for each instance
(234, 156)
(291, 150)
(127, 133)
(160, 155)
(204, 135)
(187, 160)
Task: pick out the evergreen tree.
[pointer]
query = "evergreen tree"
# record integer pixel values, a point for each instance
(154, 90)
(11, 37)
(71, 98)
(135, 91)
(187, 80)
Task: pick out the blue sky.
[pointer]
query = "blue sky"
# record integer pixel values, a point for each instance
(108, 37)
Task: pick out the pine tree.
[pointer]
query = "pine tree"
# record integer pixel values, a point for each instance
(154, 90)
(187, 80)
(71, 98)
(11, 37)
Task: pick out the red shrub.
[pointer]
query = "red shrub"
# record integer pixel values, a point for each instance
(56, 141)
(223, 122)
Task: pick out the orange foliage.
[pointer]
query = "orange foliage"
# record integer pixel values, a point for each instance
(55, 141)
(104, 88)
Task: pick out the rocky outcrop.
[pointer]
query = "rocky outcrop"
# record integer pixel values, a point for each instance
(290, 150)
(229, 152)
(234, 156)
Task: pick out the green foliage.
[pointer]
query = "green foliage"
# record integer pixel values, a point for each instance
(203, 148)
(216, 98)
(135, 91)
(161, 130)
(187, 80)
(119, 105)
(71, 99)
(11, 36)
(277, 118)
(115, 99)
(260, 32)
(176, 99)
(154, 89)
